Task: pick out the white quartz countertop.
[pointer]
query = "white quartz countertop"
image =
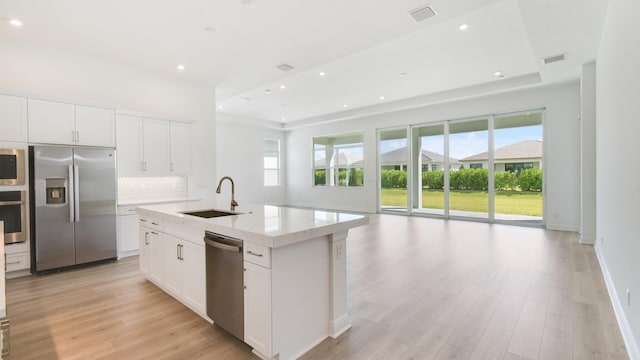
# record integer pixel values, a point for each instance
(267, 225)
(155, 201)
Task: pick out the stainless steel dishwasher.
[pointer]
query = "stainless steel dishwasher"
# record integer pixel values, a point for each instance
(225, 289)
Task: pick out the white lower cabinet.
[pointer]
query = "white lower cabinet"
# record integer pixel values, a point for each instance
(257, 308)
(175, 264)
(145, 250)
(128, 243)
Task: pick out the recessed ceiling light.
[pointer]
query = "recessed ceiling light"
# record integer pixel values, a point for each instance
(267, 91)
(322, 74)
(246, 99)
(180, 67)
(220, 106)
(463, 27)
(283, 86)
(15, 22)
(345, 105)
(284, 118)
(381, 97)
(403, 74)
(498, 74)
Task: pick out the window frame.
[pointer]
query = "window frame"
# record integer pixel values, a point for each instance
(337, 169)
(277, 167)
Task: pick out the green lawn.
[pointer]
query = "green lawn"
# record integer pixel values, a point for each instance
(507, 202)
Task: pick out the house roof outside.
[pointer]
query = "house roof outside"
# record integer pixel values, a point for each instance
(399, 156)
(527, 149)
(344, 160)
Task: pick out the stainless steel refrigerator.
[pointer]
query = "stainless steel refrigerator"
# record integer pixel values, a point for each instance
(73, 205)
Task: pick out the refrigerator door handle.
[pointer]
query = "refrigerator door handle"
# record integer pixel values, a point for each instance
(71, 195)
(76, 192)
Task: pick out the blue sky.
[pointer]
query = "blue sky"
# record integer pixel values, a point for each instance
(467, 144)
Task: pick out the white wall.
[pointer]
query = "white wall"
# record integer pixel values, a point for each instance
(42, 72)
(617, 183)
(562, 146)
(240, 155)
(588, 154)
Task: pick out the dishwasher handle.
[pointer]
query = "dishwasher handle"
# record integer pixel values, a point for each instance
(226, 247)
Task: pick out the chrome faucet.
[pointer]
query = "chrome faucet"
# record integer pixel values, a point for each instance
(233, 191)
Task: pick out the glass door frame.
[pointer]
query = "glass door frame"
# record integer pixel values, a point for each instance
(409, 131)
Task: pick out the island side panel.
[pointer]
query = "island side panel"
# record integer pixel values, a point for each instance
(300, 296)
(338, 313)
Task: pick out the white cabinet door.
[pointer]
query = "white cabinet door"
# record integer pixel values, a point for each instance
(51, 122)
(129, 145)
(95, 126)
(127, 233)
(145, 250)
(194, 276)
(172, 265)
(13, 118)
(156, 146)
(180, 148)
(157, 272)
(257, 308)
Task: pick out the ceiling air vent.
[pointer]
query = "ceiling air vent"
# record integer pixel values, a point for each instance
(422, 13)
(284, 67)
(552, 59)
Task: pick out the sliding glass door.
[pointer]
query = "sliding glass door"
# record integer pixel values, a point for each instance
(487, 168)
(392, 160)
(518, 167)
(429, 161)
(468, 175)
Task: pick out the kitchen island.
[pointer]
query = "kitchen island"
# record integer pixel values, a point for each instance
(294, 268)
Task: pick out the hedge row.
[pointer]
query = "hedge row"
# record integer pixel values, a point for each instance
(468, 179)
(356, 177)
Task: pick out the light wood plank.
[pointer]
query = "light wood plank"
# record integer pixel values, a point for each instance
(417, 289)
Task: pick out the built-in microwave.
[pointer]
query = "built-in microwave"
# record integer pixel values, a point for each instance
(12, 167)
(13, 211)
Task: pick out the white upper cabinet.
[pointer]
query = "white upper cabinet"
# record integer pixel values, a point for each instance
(129, 145)
(51, 122)
(60, 123)
(152, 147)
(95, 126)
(156, 146)
(13, 118)
(180, 148)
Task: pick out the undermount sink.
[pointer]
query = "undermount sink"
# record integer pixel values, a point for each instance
(211, 213)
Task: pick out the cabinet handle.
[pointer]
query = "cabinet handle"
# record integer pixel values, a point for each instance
(171, 166)
(155, 223)
(77, 136)
(14, 263)
(73, 136)
(154, 233)
(146, 238)
(178, 251)
(143, 220)
(254, 254)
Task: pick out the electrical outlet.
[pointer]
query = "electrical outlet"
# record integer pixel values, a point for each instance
(628, 297)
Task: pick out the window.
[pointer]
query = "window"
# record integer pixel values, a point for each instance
(338, 160)
(475, 166)
(271, 162)
(517, 167)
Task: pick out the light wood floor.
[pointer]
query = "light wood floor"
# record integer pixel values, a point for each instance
(418, 289)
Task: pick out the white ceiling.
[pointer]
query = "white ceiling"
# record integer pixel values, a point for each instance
(363, 46)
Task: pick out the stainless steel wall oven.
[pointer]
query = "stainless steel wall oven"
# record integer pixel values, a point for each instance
(12, 167)
(13, 211)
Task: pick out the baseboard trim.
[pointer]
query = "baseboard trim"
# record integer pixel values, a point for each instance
(627, 334)
(562, 227)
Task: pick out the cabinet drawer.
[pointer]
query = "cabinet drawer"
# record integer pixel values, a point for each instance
(18, 261)
(257, 254)
(150, 222)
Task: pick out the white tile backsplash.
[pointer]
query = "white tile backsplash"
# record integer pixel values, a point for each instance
(140, 189)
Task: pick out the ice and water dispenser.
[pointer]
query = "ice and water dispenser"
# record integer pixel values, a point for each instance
(56, 189)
